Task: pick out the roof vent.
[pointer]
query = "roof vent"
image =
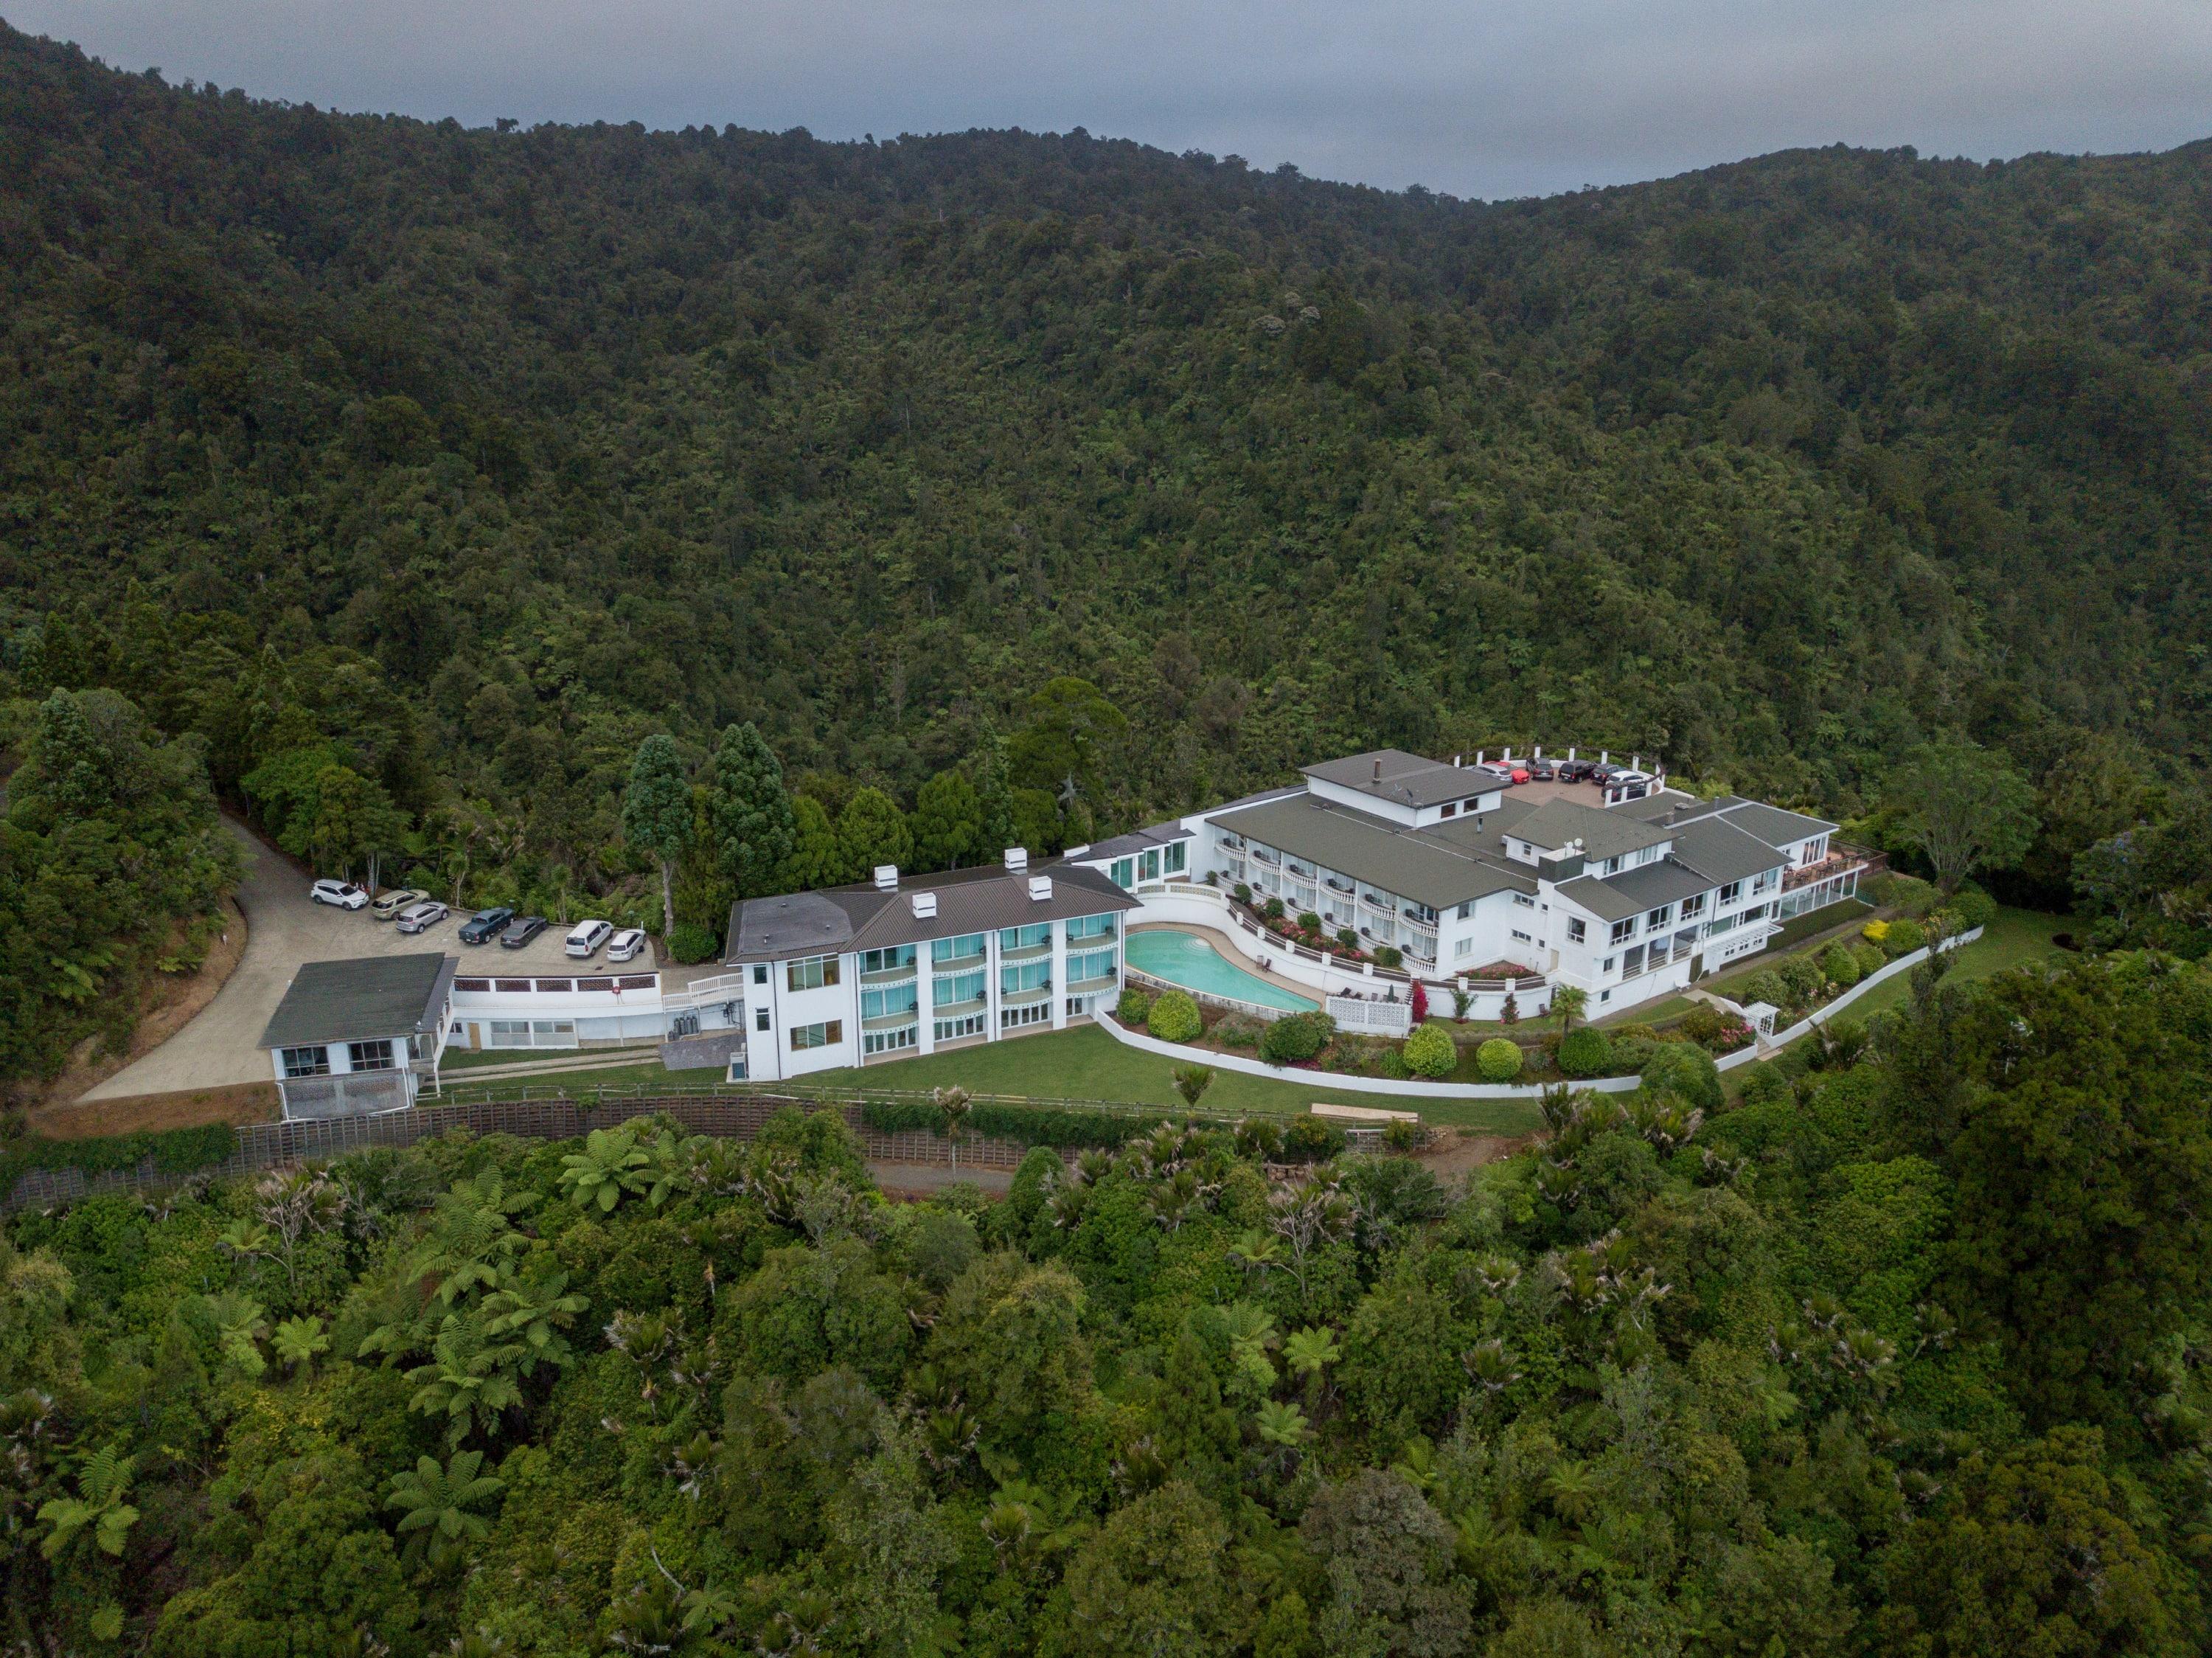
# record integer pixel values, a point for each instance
(924, 906)
(1378, 770)
(887, 877)
(1040, 889)
(1076, 851)
(1018, 859)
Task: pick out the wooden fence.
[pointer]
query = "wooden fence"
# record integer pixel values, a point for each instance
(729, 1115)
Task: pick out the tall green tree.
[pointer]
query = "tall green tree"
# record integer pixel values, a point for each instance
(948, 822)
(656, 814)
(815, 859)
(748, 812)
(872, 831)
(1963, 808)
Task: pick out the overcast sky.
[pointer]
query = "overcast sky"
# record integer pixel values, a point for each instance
(1484, 98)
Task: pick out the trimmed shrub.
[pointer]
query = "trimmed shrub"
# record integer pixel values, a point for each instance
(1238, 1030)
(1908, 894)
(1294, 1039)
(1430, 1052)
(1976, 908)
(1393, 1065)
(1311, 1140)
(1346, 939)
(1497, 1060)
(691, 943)
(1903, 938)
(1875, 931)
(1390, 955)
(1837, 964)
(174, 1151)
(1702, 1022)
(1174, 1018)
(1801, 976)
(1585, 1051)
(1273, 910)
(1629, 1053)
(1868, 956)
(1765, 985)
(1682, 1069)
(1134, 1007)
(1244, 893)
(1309, 922)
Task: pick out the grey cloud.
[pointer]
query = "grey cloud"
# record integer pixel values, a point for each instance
(1506, 98)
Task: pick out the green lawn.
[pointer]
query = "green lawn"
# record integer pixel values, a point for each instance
(1086, 1064)
(2015, 938)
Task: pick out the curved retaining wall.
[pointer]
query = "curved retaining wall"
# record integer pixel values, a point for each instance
(1412, 1088)
(1820, 1016)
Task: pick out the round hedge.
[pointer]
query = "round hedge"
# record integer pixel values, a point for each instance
(1840, 966)
(1903, 938)
(1430, 1052)
(1687, 1070)
(1498, 1060)
(1294, 1039)
(1868, 956)
(1584, 1052)
(691, 943)
(1174, 1017)
(1974, 907)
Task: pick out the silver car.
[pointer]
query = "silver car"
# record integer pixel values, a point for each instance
(421, 917)
(625, 944)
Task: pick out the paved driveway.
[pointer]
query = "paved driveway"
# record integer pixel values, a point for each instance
(284, 930)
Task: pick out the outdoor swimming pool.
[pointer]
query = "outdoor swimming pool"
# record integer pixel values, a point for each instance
(1187, 960)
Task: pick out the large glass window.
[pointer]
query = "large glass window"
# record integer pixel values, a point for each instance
(1122, 872)
(1151, 865)
(946, 989)
(1623, 931)
(812, 973)
(1730, 893)
(1034, 1013)
(1575, 930)
(898, 998)
(370, 1055)
(1024, 976)
(825, 1033)
(1693, 906)
(1658, 918)
(962, 948)
(1092, 927)
(884, 961)
(1026, 938)
(1176, 858)
(952, 1030)
(888, 1041)
(1095, 964)
(307, 1062)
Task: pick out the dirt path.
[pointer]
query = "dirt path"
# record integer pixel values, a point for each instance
(1465, 1153)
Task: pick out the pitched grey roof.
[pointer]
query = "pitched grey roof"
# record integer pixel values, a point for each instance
(1392, 774)
(1715, 849)
(1604, 834)
(1430, 866)
(1600, 898)
(843, 919)
(362, 999)
(1651, 884)
(1661, 805)
(1137, 840)
(1772, 824)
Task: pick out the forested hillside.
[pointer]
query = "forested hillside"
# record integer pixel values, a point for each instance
(1901, 1357)
(1027, 488)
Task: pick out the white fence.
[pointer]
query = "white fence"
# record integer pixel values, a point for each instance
(1356, 1013)
(1820, 1016)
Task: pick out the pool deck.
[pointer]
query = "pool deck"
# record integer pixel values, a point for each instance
(1228, 952)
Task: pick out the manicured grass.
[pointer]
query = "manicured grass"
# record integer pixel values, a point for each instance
(551, 1058)
(1653, 1013)
(554, 1079)
(2014, 939)
(1086, 1064)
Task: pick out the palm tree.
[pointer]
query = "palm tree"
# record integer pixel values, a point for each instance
(1308, 1351)
(955, 1103)
(239, 1325)
(1568, 1001)
(102, 1482)
(1282, 1424)
(298, 1340)
(536, 1310)
(1191, 1082)
(469, 1380)
(441, 1502)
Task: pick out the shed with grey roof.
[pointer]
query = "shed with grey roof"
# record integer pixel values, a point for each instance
(354, 1037)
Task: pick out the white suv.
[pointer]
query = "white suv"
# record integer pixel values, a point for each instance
(343, 894)
(626, 944)
(586, 937)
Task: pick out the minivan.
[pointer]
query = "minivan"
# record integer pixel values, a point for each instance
(627, 943)
(585, 936)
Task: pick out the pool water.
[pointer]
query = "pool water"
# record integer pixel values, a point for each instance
(1187, 960)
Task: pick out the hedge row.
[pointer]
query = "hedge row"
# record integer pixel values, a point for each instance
(1034, 1125)
(174, 1151)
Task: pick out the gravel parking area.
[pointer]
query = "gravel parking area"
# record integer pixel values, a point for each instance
(285, 930)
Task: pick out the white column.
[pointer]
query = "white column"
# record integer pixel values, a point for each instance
(924, 997)
(1059, 975)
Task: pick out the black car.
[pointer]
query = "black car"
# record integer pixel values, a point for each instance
(1575, 770)
(521, 932)
(485, 925)
(1604, 774)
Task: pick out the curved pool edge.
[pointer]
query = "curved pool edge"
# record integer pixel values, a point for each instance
(1232, 983)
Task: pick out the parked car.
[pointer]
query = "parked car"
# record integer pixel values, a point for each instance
(1603, 775)
(519, 933)
(343, 894)
(1503, 775)
(1576, 771)
(1540, 771)
(421, 917)
(625, 945)
(585, 936)
(390, 902)
(485, 925)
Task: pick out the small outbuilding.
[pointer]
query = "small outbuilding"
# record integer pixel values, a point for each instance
(354, 1037)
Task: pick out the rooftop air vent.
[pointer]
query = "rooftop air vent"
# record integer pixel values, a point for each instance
(924, 906)
(1076, 851)
(887, 877)
(1378, 772)
(1040, 889)
(1018, 859)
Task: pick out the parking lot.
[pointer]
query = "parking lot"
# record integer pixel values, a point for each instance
(285, 930)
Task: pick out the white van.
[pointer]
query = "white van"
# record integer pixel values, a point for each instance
(627, 942)
(585, 936)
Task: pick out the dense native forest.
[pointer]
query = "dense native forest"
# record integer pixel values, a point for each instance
(417, 478)
(1902, 1356)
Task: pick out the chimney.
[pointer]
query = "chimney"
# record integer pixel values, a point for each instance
(887, 877)
(1040, 889)
(924, 906)
(1378, 772)
(1018, 859)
